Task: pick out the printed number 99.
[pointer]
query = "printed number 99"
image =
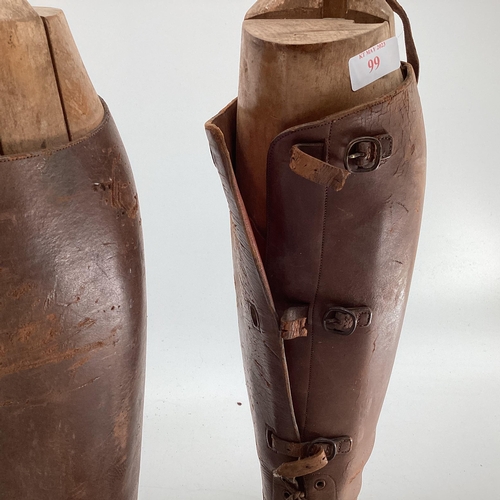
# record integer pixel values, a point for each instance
(374, 64)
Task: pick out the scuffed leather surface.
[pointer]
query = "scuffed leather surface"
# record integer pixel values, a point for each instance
(72, 323)
(355, 247)
(351, 248)
(263, 348)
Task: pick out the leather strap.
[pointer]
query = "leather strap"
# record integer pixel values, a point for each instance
(362, 155)
(339, 446)
(312, 456)
(304, 163)
(411, 49)
(294, 323)
(340, 320)
(287, 448)
(303, 467)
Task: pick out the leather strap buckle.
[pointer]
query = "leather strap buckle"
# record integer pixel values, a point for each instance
(343, 321)
(332, 447)
(366, 154)
(312, 456)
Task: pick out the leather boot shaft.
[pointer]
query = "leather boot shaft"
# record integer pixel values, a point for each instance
(321, 312)
(72, 322)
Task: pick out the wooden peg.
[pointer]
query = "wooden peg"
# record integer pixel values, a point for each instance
(295, 69)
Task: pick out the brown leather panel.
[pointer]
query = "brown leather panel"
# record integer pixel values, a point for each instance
(263, 348)
(351, 248)
(72, 323)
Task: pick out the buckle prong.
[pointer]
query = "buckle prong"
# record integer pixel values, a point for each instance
(372, 155)
(341, 321)
(329, 444)
(355, 156)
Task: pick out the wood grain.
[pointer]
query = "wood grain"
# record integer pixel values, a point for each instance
(82, 106)
(294, 71)
(358, 10)
(32, 117)
(46, 97)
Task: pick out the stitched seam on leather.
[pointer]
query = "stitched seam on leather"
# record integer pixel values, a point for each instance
(50, 151)
(320, 272)
(400, 91)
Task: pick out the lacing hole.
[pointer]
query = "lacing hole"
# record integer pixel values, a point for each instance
(269, 438)
(255, 316)
(320, 485)
(286, 494)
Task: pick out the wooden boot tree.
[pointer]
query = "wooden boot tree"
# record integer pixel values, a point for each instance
(46, 96)
(294, 69)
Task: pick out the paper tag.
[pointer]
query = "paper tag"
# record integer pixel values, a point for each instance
(374, 63)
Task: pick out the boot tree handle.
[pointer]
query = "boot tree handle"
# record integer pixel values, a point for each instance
(411, 49)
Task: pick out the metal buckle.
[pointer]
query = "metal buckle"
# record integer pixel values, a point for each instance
(363, 155)
(345, 325)
(329, 444)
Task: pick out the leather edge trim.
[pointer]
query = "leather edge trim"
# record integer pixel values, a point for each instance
(215, 134)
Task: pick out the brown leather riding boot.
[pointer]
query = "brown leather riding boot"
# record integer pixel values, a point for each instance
(321, 312)
(72, 322)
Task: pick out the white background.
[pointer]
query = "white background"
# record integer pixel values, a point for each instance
(164, 68)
